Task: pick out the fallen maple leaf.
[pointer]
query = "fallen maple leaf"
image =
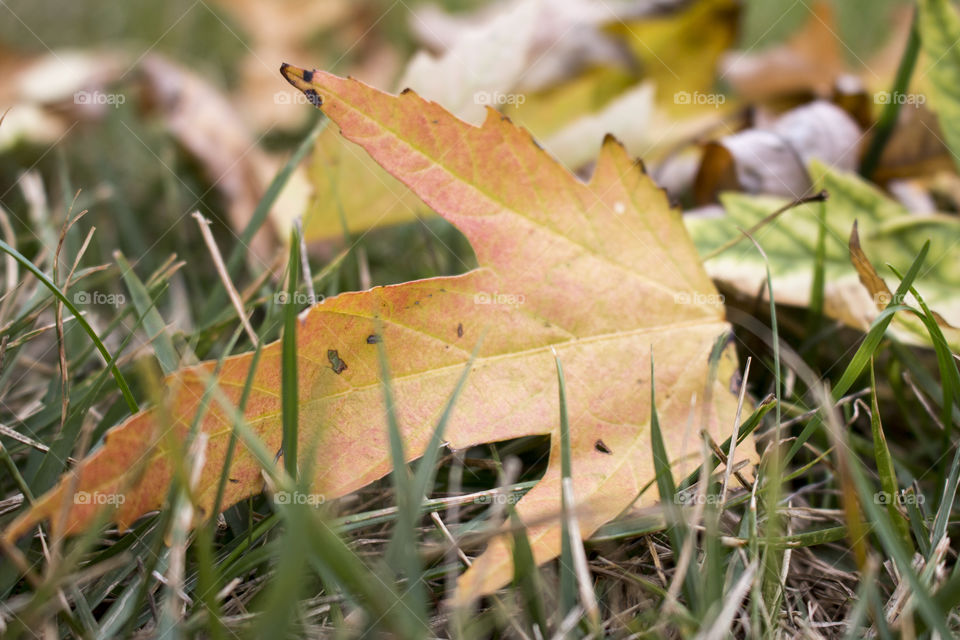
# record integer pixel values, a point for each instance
(890, 234)
(603, 273)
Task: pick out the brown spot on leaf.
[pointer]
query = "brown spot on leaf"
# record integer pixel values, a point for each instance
(313, 97)
(336, 363)
(460, 330)
(373, 338)
(602, 447)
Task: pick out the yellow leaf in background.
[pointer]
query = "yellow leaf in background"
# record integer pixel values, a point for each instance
(547, 111)
(680, 52)
(352, 190)
(627, 118)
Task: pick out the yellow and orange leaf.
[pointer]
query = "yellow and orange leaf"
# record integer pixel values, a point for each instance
(603, 273)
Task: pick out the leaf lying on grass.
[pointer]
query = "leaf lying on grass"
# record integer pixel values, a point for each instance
(889, 234)
(602, 272)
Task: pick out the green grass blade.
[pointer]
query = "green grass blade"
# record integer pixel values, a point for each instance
(55, 290)
(282, 599)
(426, 471)
(772, 558)
(289, 374)
(381, 601)
(526, 575)
(232, 444)
(888, 117)
(676, 529)
(868, 347)
(568, 575)
(748, 427)
(888, 535)
(209, 579)
(865, 352)
(401, 553)
(949, 373)
(156, 328)
(884, 462)
(949, 496)
(815, 312)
